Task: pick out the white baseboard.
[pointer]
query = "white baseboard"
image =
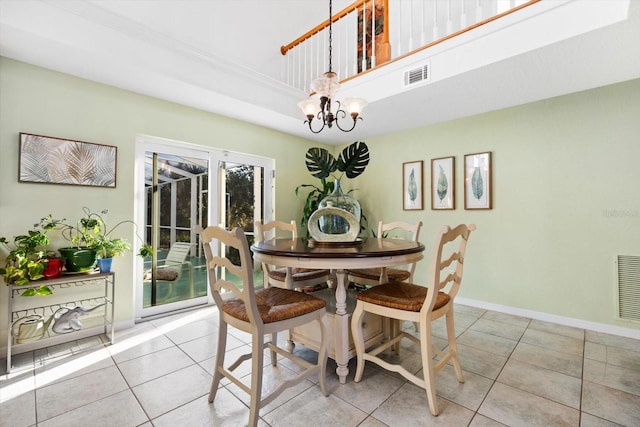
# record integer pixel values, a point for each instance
(561, 320)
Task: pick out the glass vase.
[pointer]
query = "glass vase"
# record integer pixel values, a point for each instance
(332, 224)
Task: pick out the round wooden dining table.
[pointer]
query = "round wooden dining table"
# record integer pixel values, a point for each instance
(338, 257)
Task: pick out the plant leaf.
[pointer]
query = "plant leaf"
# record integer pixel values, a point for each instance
(413, 187)
(477, 183)
(354, 159)
(443, 185)
(320, 162)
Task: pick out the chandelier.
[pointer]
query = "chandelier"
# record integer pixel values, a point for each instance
(325, 89)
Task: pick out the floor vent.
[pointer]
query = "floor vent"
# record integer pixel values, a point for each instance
(629, 287)
(417, 75)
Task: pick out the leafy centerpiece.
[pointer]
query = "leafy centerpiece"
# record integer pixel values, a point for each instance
(352, 162)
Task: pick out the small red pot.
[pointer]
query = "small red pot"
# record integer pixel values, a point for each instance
(53, 268)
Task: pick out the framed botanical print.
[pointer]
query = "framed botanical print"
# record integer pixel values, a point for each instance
(477, 181)
(443, 183)
(45, 159)
(412, 190)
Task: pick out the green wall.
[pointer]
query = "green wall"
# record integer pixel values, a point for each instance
(566, 199)
(40, 101)
(565, 178)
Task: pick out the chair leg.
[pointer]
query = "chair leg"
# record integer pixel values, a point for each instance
(426, 350)
(274, 355)
(358, 339)
(322, 354)
(453, 347)
(219, 363)
(256, 378)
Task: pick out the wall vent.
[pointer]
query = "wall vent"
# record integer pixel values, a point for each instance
(417, 75)
(629, 287)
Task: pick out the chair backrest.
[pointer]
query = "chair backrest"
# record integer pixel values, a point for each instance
(177, 255)
(213, 236)
(447, 263)
(407, 229)
(270, 230)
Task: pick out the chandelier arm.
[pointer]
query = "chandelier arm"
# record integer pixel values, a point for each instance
(344, 114)
(311, 128)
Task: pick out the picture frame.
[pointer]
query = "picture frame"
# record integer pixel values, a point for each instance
(443, 183)
(477, 181)
(50, 160)
(412, 185)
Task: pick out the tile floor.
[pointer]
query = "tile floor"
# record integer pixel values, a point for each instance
(519, 372)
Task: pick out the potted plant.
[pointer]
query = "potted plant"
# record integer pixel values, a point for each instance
(321, 164)
(94, 240)
(27, 260)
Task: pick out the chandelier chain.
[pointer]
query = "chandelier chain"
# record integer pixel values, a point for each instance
(330, 34)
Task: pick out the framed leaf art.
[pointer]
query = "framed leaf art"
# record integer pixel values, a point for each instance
(44, 159)
(443, 183)
(412, 185)
(477, 181)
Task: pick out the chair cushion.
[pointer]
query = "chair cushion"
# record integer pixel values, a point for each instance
(373, 274)
(162, 274)
(297, 274)
(403, 296)
(275, 304)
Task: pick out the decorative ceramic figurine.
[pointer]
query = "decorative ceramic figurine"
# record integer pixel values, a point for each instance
(69, 321)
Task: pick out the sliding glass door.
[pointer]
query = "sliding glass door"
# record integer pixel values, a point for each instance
(181, 187)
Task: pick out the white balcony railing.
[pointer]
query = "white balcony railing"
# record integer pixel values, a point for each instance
(402, 28)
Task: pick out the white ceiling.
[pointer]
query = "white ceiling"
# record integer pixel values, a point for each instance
(223, 56)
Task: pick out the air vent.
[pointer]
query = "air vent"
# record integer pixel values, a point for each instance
(417, 75)
(629, 287)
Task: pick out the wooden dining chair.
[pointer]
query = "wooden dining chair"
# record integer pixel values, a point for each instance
(258, 312)
(302, 278)
(371, 276)
(416, 303)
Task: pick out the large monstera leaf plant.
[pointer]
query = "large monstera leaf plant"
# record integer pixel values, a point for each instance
(351, 162)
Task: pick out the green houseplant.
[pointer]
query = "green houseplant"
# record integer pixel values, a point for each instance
(352, 162)
(27, 257)
(92, 239)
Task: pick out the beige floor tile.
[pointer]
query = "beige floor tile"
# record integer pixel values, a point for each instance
(372, 422)
(611, 404)
(409, 407)
(595, 351)
(205, 347)
(515, 407)
(166, 393)
(625, 379)
(554, 328)
(226, 410)
(588, 420)
(311, 407)
(487, 342)
(121, 409)
(565, 363)
(145, 368)
(469, 394)
(19, 410)
(137, 345)
(482, 421)
(480, 362)
(375, 387)
(499, 329)
(191, 331)
(507, 318)
(553, 341)
(622, 357)
(613, 340)
(65, 396)
(551, 385)
(63, 368)
(469, 311)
